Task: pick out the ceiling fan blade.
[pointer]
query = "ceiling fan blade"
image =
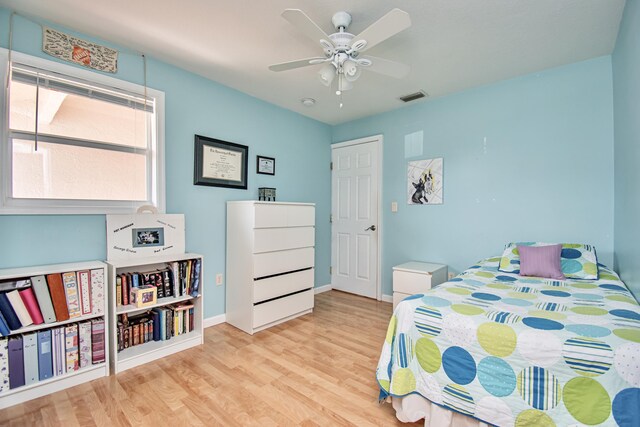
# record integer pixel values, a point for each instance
(387, 26)
(300, 20)
(295, 64)
(388, 68)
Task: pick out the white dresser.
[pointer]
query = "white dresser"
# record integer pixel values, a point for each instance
(415, 278)
(270, 263)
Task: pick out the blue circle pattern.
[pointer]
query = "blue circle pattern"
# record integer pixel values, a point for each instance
(436, 301)
(544, 324)
(570, 254)
(556, 294)
(485, 296)
(459, 365)
(626, 407)
(626, 314)
(570, 266)
(613, 287)
(496, 376)
(590, 331)
(506, 278)
(589, 297)
(416, 296)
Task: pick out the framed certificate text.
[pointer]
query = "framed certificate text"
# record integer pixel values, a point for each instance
(220, 163)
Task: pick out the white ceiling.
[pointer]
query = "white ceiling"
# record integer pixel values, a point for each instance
(452, 45)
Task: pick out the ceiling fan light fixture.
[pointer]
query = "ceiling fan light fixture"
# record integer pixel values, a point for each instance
(326, 74)
(351, 70)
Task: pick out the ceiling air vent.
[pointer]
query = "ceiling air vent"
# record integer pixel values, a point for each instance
(413, 96)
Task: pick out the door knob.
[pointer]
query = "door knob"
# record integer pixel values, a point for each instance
(372, 228)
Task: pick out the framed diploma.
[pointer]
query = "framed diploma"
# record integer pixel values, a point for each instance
(266, 165)
(220, 163)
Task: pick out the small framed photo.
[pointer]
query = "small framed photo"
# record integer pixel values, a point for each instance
(143, 237)
(266, 165)
(220, 163)
(144, 296)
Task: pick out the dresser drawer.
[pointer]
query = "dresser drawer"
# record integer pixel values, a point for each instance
(270, 263)
(281, 308)
(411, 283)
(274, 287)
(278, 239)
(275, 215)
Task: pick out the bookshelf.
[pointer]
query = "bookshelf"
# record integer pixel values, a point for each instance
(151, 350)
(72, 378)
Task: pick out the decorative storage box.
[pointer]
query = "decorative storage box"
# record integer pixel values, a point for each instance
(267, 194)
(144, 296)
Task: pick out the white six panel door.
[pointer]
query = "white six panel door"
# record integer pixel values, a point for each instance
(354, 242)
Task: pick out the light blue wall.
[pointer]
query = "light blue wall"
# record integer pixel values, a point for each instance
(194, 105)
(544, 174)
(626, 97)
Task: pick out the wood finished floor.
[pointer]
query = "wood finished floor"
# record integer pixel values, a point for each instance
(316, 370)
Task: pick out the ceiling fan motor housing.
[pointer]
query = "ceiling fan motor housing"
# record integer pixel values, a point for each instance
(341, 20)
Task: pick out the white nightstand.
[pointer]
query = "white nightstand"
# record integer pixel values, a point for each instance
(416, 277)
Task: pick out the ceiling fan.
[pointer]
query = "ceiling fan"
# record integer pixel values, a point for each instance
(343, 51)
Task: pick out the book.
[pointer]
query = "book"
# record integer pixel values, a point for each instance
(16, 362)
(118, 290)
(4, 364)
(41, 290)
(84, 343)
(84, 290)
(45, 360)
(19, 308)
(175, 278)
(58, 296)
(71, 347)
(97, 291)
(30, 302)
(57, 350)
(97, 341)
(196, 278)
(156, 325)
(30, 353)
(125, 289)
(4, 327)
(7, 312)
(71, 293)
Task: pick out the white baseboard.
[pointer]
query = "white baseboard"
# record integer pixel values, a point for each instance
(321, 289)
(214, 320)
(387, 298)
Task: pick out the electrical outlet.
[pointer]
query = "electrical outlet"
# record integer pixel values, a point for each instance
(394, 206)
(451, 275)
(219, 278)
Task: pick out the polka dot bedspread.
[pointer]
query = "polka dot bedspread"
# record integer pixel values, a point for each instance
(519, 351)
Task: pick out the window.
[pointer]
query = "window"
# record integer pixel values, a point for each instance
(78, 141)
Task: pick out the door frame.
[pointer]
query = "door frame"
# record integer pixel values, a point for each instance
(378, 141)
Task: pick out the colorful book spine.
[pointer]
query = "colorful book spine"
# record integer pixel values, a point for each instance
(59, 357)
(125, 290)
(4, 327)
(45, 356)
(19, 308)
(84, 289)
(30, 302)
(118, 290)
(4, 364)
(16, 362)
(58, 298)
(71, 347)
(71, 293)
(8, 313)
(30, 353)
(196, 278)
(41, 290)
(97, 341)
(97, 291)
(84, 343)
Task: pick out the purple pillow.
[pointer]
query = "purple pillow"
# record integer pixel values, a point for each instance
(541, 261)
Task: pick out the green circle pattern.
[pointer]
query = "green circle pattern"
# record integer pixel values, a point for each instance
(587, 400)
(428, 355)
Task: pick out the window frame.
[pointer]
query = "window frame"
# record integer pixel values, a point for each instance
(156, 173)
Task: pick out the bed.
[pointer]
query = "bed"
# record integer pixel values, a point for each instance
(508, 350)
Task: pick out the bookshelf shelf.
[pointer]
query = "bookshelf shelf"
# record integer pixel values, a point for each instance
(65, 380)
(128, 309)
(151, 350)
(33, 328)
